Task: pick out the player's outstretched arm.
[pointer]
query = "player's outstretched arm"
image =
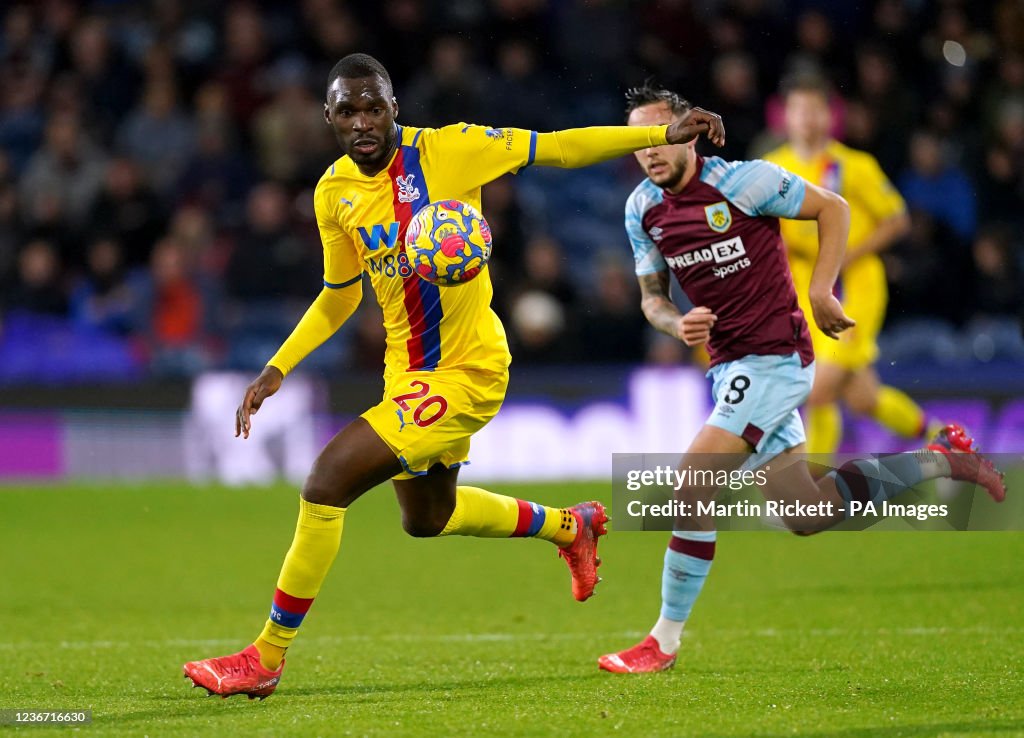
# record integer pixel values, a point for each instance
(325, 316)
(833, 216)
(580, 147)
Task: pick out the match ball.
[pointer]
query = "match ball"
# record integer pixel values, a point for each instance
(448, 242)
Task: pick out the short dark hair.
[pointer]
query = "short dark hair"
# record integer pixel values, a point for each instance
(356, 66)
(807, 82)
(649, 93)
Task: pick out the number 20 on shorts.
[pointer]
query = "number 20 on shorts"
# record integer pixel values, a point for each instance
(429, 409)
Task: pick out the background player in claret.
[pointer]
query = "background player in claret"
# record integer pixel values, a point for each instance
(446, 358)
(878, 218)
(715, 225)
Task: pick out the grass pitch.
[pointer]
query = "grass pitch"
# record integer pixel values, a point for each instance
(107, 590)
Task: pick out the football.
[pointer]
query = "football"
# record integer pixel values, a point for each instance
(448, 242)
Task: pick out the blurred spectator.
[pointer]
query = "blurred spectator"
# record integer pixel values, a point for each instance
(522, 95)
(612, 329)
(539, 330)
(159, 136)
(402, 22)
(128, 210)
(671, 43)
(544, 271)
(922, 278)
(505, 216)
(934, 185)
(21, 117)
(451, 89)
(104, 299)
(997, 272)
(884, 95)
(1002, 171)
(218, 176)
(817, 48)
(38, 287)
(1006, 89)
(192, 227)
(241, 70)
(10, 227)
(23, 52)
(734, 96)
(337, 33)
(290, 131)
(177, 311)
(107, 84)
(64, 177)
(269, 260)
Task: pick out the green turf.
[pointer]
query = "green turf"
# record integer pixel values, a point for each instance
(105, 592)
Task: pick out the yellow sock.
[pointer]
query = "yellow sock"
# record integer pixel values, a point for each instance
(486, 515)
(824, 429)
(897, 412)
(316, 542)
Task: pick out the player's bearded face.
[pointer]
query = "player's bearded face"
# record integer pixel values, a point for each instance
(362, 113)
(663, 165)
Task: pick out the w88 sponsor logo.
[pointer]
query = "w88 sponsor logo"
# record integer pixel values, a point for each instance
(390, 265)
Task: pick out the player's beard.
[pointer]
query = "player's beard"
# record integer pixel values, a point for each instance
(378, 158)
(670, 180)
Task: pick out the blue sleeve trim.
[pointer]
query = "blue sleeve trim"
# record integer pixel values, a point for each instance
(533, 149)
(416, 137)
(349, 283)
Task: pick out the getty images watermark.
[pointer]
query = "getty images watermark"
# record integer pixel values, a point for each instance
(795, 492)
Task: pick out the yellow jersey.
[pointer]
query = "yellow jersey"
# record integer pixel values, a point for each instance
(853, 174)
(363, 220)
(862, 286)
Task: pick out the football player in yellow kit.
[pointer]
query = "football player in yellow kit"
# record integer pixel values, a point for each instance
(446, 359)
(878, 218)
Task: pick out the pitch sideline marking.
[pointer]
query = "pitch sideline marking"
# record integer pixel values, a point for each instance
(512, 637)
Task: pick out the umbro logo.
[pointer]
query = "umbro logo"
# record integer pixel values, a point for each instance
(657, 233)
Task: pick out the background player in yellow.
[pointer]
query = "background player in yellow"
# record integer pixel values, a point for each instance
(878, 218)
(446, 358)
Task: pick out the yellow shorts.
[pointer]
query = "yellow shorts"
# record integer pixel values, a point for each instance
(864, 295)
(427, 418)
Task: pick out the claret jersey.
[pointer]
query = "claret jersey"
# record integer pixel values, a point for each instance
(720, 237)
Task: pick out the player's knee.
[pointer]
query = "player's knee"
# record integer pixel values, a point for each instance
(423, 524)
(319, 488)
(860, 403)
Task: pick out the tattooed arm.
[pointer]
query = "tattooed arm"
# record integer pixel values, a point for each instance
(693, 329)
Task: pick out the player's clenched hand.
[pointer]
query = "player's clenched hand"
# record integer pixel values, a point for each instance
(695, 122)
(695, 327)
(266, 384)
(829, 315)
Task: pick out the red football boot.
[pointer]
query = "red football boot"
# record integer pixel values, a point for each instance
(643, 658)
(581, 554)
(239, 673)
(965, 463)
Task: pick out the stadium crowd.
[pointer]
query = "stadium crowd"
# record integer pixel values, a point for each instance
(157, 160)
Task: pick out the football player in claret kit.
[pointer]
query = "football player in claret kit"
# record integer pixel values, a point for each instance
(446, 358)
(715, 226)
